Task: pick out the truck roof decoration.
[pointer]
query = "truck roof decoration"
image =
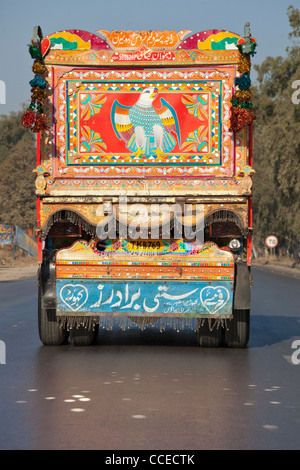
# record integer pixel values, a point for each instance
(78, 40)
(157, 40)
(139, 47)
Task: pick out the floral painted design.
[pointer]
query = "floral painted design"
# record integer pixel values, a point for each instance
(197, 105)
(90, 104)
(197, 141)
(91, 141)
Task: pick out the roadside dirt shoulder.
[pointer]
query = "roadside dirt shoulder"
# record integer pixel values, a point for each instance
(279, 268)
(17, 272)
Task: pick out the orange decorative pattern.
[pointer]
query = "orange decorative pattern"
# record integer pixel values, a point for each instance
(132, 40)
(81, 261)
(147, 272)
(89, 147)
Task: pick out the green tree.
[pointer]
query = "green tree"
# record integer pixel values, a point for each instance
(276, 201)
(11, 132)
(17, 194)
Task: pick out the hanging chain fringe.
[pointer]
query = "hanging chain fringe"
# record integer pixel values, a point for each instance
(124, 323)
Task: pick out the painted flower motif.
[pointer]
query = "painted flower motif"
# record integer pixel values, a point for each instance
(91, 141)
(90, 104)
(174, 246)
(197, 140)
(117, 245)
(197, 105)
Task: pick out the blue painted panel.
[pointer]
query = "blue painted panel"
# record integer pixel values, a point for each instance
(6, 234)
(144, 298)
(26, 242)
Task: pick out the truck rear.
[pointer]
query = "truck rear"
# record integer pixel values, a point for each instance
(144, 181)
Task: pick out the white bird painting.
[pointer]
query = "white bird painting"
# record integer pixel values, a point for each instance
(144, 129)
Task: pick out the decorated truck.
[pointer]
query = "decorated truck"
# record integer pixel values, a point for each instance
(143, 182)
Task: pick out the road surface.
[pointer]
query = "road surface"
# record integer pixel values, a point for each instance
(145, 389)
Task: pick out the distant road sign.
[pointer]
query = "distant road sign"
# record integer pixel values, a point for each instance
(271, 241)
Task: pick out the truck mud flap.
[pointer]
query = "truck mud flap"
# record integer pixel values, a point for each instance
(242, 296)
(47, 281)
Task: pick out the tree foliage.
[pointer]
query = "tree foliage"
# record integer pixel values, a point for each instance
(17, 160)
(276, 200)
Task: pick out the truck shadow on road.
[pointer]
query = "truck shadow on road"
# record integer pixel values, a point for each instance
(264, 331)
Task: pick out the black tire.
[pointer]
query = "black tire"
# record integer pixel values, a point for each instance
(82, 336)
(237, 330)
(50, 331)
(209, 334)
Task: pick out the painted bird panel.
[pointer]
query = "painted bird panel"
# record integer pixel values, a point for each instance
(145, 129)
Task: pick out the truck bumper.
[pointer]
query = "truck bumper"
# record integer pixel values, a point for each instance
(96, 297)
(189, 281)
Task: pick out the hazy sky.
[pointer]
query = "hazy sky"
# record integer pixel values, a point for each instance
(268, 20)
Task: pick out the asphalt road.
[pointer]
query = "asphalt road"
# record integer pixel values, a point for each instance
(152, 390)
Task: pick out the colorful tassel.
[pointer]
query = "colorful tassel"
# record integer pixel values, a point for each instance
(38, 94)
(38, 67)
(35, 52)
(243, 82)
(34, 118)
(241, 110)
(40, 123)
(241, 117)
(235, 101)
(36, 107)
(243, 94)
(28, 118)
(38, 82)
(246, 104)
(244, 64)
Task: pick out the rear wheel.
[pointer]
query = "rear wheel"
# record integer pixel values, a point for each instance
(237, 330)
(82, 336)
(50, 331)
(209, 333)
